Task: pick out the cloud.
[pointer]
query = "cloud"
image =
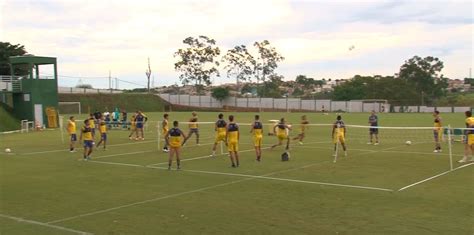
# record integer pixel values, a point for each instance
(92, 37)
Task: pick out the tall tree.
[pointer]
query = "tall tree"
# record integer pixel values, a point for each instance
(220, 93)
(240, 63)
(271, 87)
(425, 75)
(304, 81)
(267, 60)
(197, 62)
(7, 50)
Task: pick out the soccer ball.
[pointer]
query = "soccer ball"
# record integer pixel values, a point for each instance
(408, 142)
(7, 150)
(289, 126)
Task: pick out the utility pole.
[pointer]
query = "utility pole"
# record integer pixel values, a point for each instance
(110, 81)
(148, 74)
(153, 81)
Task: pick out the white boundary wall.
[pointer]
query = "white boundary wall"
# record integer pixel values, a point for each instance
(74, 90)
(294, 104)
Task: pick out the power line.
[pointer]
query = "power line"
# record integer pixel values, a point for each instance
(83, 77)
(68, 76)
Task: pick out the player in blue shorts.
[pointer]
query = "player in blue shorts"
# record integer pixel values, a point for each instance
(103, 132)
(374, 130)
(88, 136)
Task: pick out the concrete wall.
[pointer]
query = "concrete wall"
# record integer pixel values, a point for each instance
(291, 104)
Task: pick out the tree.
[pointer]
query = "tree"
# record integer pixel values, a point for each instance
(425, 75)
(247, 88)
(220, 93)
(304, 81)
(7, 50)
(297, 92)
(197, 62)
(271, 87)
(267, 60)
(355, 89)
(240, 63)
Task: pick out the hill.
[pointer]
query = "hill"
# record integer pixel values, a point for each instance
(8, 121)
(103, 102)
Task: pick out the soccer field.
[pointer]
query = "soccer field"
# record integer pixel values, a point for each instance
(391, 188)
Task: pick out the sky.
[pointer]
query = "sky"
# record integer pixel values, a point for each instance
(91, 38)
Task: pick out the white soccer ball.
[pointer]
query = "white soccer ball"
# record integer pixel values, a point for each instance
(7, 150)
(289, 126)
(408, 142)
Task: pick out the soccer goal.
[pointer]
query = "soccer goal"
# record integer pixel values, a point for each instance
(70, 108)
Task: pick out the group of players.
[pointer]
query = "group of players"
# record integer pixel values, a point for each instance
(229, 134)
(87, 131)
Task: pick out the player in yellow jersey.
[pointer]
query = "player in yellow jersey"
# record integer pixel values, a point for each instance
(281, 130)
(164, 129)
(339, 135)
(103, 131)
(173, 139)
(437, 131)
(88, 136)
(193, 128)
(92, 123)
(257, 131)
(468, 138)
(232, 141)
(220, 128)
(133, 128)
(71, 130)
(303, 126)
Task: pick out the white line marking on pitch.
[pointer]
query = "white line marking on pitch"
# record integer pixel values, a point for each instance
(21, 220)
(281, 179)
(207, 156)
(67, 150)
(122, 154)
(252, 176)
(386, 151)
(433, 177)
(164, 197)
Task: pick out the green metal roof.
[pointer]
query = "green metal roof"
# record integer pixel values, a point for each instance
(29, 59)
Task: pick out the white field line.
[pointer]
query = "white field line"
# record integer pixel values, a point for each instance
(387, 151)
(21, 220)
(206, 156)
(223, 154)
(164, 197)
(281, 179)
(435, 176)
(123, 154)
(67, 150)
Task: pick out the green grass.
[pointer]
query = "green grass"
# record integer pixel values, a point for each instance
(129, 102)
(117, 193)
(8, 121)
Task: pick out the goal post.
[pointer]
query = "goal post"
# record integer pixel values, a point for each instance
(70, 108)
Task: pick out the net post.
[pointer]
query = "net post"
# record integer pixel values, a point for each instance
(222, 148)
(337, 145)
(159, 135)
(450, 148)
(61, 128)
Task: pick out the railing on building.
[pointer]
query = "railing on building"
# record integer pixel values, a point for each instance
(10, 83)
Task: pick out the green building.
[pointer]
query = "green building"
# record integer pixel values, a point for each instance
(32, 97)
